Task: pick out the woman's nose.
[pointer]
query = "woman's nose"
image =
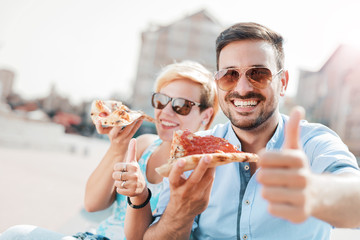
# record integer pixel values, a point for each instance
(168, 109)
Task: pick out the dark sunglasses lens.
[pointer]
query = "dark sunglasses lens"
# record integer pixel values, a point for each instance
(159, 101)
(228, 80)
(259, 77)
(181, 106)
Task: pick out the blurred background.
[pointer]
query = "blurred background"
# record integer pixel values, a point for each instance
(57, 56)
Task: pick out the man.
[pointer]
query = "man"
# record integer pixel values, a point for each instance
(305, 182)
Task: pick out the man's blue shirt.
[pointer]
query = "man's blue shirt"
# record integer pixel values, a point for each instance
(236, 209)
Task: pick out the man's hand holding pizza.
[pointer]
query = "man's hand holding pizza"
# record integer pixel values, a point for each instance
(188, 197)
(286, 176)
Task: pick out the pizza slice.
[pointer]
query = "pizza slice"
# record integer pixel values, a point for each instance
(114, 113)
(192, 148)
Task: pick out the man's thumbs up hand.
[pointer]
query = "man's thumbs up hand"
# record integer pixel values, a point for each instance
(285, 175)
(292, 129)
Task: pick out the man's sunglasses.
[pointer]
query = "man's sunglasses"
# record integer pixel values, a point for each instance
(179, 105)
(259, 77)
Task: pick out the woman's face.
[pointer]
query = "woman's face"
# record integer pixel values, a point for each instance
(169, 121)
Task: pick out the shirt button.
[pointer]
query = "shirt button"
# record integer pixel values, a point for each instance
(245, 237)
(246, 167)
(247, 202)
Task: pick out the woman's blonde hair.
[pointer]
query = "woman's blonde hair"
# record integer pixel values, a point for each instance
(196, 73)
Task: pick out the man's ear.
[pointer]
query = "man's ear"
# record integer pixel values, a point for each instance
(284, 82)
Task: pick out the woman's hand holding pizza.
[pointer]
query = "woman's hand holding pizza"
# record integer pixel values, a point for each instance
(129, 180)
(119, 135)
(286, 176)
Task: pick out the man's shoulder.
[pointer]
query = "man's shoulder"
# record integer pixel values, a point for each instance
(309, 129)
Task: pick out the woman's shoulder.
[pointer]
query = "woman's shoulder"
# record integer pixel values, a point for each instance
(147, 138)
(143, 141)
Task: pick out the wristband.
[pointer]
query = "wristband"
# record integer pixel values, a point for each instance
(141, 205)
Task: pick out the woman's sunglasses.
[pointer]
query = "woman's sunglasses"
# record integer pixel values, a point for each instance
(259, 77)
(179, 105)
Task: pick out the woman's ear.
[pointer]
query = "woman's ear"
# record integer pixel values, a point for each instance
(284, 82)
(206, 116)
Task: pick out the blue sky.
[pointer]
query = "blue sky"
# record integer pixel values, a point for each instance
(90, 48)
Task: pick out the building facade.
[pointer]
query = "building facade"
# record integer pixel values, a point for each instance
(190, 38)
(331, 95)
(6, 83)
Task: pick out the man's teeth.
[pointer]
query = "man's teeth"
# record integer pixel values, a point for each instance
(168, 124)
(239, 103)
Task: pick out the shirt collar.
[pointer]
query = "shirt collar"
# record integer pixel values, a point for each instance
(277, 139)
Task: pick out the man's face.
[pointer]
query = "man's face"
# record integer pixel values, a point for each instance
(247, 107)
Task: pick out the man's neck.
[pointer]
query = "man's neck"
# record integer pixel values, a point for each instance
(256, 139)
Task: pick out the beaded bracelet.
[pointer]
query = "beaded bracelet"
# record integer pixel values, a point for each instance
(141, 205)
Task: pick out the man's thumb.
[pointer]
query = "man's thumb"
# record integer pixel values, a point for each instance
(292, 128)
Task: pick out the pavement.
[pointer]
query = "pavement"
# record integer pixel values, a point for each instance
(46, 188)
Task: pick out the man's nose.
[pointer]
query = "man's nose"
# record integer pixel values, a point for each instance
(243, 85)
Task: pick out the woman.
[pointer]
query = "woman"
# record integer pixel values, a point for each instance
(184, 98)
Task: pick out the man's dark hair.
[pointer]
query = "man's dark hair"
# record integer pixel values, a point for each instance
(251, 31)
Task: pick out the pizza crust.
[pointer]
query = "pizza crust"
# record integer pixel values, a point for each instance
(114, 113)
(176, 150)
(218, 159)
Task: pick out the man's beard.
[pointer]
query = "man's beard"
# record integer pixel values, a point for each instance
(263, 117)
(252, 124)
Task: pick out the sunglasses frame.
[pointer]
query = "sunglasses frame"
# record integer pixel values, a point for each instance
(242, 71)
(170, 99)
